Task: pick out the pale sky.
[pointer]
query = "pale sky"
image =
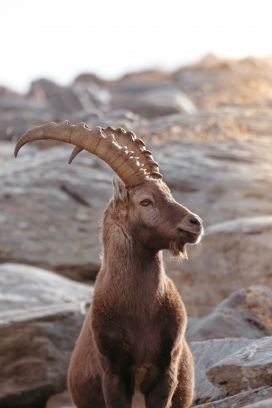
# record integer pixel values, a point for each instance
(60, 39)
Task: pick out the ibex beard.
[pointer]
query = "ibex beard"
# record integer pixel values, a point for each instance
(132, 351)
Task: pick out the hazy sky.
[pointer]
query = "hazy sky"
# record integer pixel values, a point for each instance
(59, 39)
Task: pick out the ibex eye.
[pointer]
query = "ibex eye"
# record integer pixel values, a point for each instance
(145, 203)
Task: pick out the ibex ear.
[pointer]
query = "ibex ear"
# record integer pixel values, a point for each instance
(120, 193)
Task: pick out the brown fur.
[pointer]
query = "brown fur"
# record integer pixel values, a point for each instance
(132, 341)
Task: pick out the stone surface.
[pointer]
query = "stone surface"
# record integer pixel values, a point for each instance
(116, 118)
(248, 368)
(17, 115)
(42, 233)
(23, 287)
(215, 82)
(41, 315)
(35, 350)
(239, 400)
(245, 314)
(206, 354)
(62, 400)
(151, 103)
(262, 404)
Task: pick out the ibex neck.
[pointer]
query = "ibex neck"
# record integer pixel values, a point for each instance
(130, 268)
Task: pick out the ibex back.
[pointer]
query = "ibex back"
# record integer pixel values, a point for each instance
(131, 351)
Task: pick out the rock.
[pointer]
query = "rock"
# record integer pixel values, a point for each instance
(23, 287)
(62, 400)
(35, 351)
(41, 315)
(93, 95)
(215, 82)
(156, 102)
(39, 225)
(248, 368)
(9, 93)
(7, 151)
(245, 314)
(18, 115)
(116, 118)
(87, 79)
(146, 76)
(13, 105)
(239, 400)
(206, 354)
(262, 404)
(214, 124)
(61, 100)
(64, 101)
(42, 89)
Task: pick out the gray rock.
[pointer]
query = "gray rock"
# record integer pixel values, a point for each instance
(212, 124)
(23, 287)
(245, 314)
(35, 349)
(41, 315)
(155, 102)
(206, 354)
(18, 115)
(262, 404)
(215, 82)
(116, 118)
(239, 400)
(248, 368)
(42, 233)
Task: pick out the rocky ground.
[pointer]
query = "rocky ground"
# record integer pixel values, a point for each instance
(209, 127)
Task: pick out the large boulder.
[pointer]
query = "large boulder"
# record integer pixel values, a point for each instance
(116, 118)
(154, 102)
(258, 396)
(245, 314)
(41, 315)
(247, 368)
(37, 230)
(261, 404)
(215, 82)
(214, 124)
(20, 114)
(206, 354)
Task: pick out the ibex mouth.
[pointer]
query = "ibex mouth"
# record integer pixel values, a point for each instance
(190, 237)
(178, 248)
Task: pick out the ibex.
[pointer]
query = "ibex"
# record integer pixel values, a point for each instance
(131, 351)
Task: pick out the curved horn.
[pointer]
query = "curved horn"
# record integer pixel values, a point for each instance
(95, 141)
(129, 140)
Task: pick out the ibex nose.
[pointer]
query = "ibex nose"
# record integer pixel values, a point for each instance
(196, 221)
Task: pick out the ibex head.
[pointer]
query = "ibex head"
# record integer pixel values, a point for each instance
(142, 205)
(149, 213)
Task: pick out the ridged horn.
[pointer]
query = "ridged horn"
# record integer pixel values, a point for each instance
(95, 141)
(129, 139)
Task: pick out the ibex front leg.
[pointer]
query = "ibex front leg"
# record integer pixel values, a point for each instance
(161, 395)
(115, 390)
